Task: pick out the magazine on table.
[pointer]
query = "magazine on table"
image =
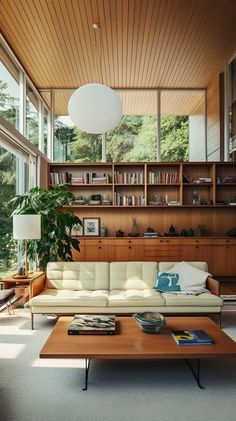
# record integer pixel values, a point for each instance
(191, 337)
(84, 323)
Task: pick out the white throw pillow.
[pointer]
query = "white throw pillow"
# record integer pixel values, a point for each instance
(190, 277)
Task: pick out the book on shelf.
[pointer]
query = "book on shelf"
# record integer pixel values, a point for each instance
(191, 337)
(92, 324)
(150, 234)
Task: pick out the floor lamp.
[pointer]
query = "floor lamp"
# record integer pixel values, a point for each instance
(26, 227)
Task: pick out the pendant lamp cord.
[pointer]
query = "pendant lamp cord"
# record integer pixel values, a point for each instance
(98, 51)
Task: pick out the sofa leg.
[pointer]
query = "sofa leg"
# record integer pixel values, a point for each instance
(32, 321)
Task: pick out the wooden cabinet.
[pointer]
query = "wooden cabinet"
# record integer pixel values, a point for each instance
(99, 250)
(129, 250)
(219, 253)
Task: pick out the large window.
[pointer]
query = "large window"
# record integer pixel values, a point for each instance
(9, 90)
(14, 179)
(157, 125)
(32, 116)
(182, 125)
(135, 138)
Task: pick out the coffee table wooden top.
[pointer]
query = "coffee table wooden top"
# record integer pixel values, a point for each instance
(130, 342)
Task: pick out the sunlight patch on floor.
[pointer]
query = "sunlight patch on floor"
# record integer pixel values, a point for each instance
(10, 351)
(59, 363)
(13, 330)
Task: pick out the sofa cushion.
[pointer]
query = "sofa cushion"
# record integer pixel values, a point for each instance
(69, 298)
(190, 276)
(135, 297)
(205, 299)
(132, 275)
(78, 275)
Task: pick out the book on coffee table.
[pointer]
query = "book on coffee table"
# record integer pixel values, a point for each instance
(191, 337)
(92, 324)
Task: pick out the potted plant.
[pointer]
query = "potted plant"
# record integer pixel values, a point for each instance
(56, 242)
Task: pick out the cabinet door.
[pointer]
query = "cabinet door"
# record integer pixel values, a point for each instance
(129, 253)
(200, 252)
(223, 260)
(79, 256)
(102, 253)
(101, 250)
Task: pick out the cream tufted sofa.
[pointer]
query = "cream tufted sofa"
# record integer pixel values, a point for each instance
(116, 288)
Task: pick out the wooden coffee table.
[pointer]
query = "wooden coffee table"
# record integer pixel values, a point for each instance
(130, 343)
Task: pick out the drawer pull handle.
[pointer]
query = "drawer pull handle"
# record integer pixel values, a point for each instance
(167, 241)
(130, 247)
(99, 247)
(161, 241)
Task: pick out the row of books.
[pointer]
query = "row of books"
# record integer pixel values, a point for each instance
(60, 178)
(123, 200)
(163, 177)
(90, 178)
(128, 178)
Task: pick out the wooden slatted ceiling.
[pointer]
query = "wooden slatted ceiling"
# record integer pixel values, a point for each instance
(145, 43)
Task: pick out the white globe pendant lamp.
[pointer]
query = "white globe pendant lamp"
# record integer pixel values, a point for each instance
(95, 108)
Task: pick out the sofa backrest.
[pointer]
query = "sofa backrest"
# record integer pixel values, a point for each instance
(165, 266)
(78, 275)
(133, 275)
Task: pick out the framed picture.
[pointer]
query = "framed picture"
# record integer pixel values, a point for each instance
(91, 227)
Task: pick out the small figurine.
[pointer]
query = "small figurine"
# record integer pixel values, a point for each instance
(119, 233)
(134, 232)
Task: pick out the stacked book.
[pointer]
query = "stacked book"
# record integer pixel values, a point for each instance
(92, 324)
(150, 234)
(191, 337)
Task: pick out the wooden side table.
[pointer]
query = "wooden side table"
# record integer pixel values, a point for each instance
(23, 287)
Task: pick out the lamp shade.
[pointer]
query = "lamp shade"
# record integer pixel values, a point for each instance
(26, 227)
(95, 108)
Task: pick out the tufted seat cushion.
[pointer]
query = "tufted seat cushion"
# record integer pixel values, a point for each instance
(69, 298)
(205, 299)
(135, 298)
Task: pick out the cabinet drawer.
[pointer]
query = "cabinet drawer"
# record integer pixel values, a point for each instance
(224, 241)
(163, 240)
(100, 242)
(196, 241)
(126, 242)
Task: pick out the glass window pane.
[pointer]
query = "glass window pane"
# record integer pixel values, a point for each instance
(8, 188)
(70, 143)
(9, 90)
(32, 116)
(45, 131)
(134, 139)
(182, 126)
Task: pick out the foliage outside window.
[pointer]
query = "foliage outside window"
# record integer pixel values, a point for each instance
(9, 96)
(32, 117)
(8, 174)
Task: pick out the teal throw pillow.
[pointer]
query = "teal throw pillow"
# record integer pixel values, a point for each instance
(167, 282)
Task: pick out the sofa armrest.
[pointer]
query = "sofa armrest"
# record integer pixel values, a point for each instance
(38, 285)
(213, 285)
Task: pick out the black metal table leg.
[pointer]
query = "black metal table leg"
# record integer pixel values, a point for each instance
(195, 372)
(87, 364)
